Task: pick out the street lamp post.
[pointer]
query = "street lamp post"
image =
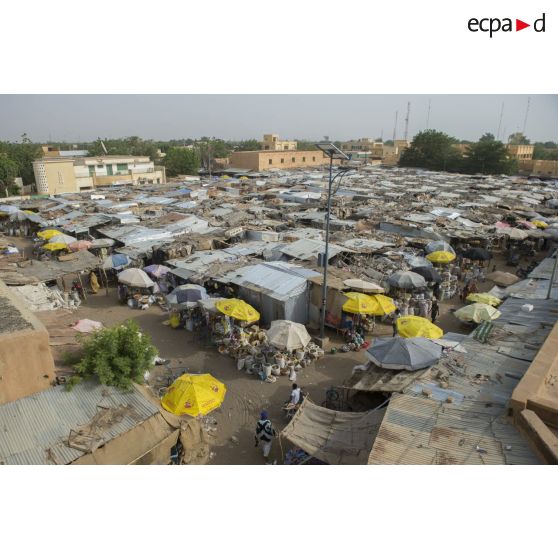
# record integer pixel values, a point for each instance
(333, 152)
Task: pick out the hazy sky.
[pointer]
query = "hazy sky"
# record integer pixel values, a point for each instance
(86, 117)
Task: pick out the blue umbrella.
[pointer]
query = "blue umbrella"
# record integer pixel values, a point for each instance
(156, 270)
(116, 261)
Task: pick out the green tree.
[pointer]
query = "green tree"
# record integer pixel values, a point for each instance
(117, 356)
(547, 150)
(518, 139)
(432, 150)
(23, 153)
(182, 161)
(489, 156)
(8, 172)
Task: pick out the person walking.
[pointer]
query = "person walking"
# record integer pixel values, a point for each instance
(435, 311)
(264, 434)
(396, 316)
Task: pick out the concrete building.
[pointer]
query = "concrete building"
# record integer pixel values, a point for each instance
(73, 172)
(521, 152)
(271, 142)
(539, 167)
(373, 149)
(263, 160)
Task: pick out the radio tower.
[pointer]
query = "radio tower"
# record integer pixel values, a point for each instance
(395, 126)
(407, 121)
(428, 114)
(526, 114)
(500, 122)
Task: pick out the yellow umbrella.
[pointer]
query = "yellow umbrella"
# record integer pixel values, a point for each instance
(359, 303)
(415, 326)
(29, 212)
(477, 313)
(194, 395)
(540, 224)
(485, 298)
(49, 233)
(237, 309)
(382, 305)
(440, 256)
(53, 246)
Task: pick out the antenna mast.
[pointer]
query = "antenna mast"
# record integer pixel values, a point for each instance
(395, 126)
(500, 122)
(526, 114)
(407, 121)
(428, 114)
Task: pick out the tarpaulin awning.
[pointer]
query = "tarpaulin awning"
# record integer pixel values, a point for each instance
(334, 437)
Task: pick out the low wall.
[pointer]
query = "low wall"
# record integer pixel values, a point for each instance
(26, 363)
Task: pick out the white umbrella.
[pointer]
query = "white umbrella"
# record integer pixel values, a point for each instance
(365, 286)
(288, 335)
(135, 277)
(477, 313)
(64, 238)
(514, 234)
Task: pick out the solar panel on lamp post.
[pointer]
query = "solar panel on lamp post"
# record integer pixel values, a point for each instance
(332, 152)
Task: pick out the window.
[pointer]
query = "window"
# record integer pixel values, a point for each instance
(304, 159)
(91, 170)
(60, 178)
(121, 167)
(270, 162)
(282, 160)
(100, 166)
(314, 159)
(292, 159)
(285, 147)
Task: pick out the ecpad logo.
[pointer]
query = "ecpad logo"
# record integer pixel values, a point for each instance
(493, 25)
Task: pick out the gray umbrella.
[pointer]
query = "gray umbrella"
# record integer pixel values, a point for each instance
(406, 280)
(398, 353)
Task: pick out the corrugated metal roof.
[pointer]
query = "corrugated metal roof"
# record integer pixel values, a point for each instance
(306, 249)
(416, 430)
(280, 284)
(33, 425)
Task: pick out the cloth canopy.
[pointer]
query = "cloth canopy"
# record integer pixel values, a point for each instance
(415, 326)
(194, 395)
(288, 335)
(135, 277)
(429, 273)
(47, 234)
(79, 245)
(406, 280)
(334, 437)
(503, 278)
(477, 313)
(398, 353)
(485, 298)
(437, 246)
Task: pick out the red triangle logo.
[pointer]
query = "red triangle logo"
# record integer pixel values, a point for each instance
(519, 25)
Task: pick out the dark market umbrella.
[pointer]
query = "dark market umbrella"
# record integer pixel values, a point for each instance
(187, 295)
(398, 353)
(406, 280)
(429, 274)
(477, 254)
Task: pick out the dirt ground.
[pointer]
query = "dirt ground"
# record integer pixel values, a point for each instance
(232, 426)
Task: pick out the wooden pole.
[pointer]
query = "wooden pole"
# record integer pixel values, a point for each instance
(82, 287)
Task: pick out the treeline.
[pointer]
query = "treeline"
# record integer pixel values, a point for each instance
(437, 151)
